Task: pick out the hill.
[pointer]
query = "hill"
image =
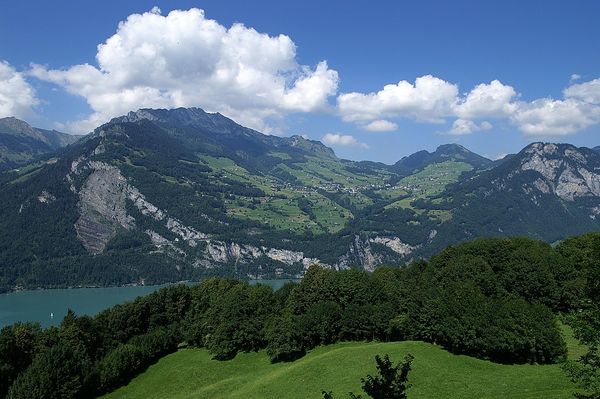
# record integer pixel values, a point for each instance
(546, 191)
(495, 299)
(20, 143)
(168, 195)
(161, 195)
(339, 368)
(444, 153)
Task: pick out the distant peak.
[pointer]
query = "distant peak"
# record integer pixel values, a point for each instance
(444, 152)
(542, 148)
(158, 114)
(12, 121)
(13, 125)
(451, 147)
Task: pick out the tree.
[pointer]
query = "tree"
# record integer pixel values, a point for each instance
(19, 344)
(58, 373)
(391, 383)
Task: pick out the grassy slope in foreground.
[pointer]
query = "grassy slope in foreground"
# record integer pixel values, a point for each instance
(190, 373)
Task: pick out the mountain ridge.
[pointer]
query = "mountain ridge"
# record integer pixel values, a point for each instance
(21, 143)
(444, 152)
(164, 195)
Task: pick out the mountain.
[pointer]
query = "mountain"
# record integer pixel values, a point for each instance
(167, 195)
(20, 143)
(158, 195)
(444, 153)
(546, 191)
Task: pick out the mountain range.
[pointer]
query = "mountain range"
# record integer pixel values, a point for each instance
(167, 195)
(20, 143)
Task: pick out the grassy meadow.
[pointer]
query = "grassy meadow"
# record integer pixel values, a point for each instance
(191, 373)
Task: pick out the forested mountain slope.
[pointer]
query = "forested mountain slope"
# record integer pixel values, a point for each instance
(164, 195)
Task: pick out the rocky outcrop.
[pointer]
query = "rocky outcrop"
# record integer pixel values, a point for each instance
(359, 254)
(395, 244)
(104, 194)
(568, 172)
(45, 197)
(102, 207)
(223, 252)
(94, 233)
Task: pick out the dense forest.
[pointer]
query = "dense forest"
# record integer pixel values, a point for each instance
(498, 298)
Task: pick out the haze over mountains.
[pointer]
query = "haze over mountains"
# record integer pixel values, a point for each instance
(20, 143)
(165, 195)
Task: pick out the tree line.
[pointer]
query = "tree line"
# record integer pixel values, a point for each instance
(495, 299)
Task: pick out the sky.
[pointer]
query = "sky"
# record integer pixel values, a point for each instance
(374, 80)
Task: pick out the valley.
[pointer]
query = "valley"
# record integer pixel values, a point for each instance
(168, 195)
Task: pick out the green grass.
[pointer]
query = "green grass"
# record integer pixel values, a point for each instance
(434, 178)
(282, 214)
(317, 171)
(285, 214)
(574, 348)
(428, 182)
(191, 373)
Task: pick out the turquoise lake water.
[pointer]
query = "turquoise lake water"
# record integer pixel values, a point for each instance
(38, 305)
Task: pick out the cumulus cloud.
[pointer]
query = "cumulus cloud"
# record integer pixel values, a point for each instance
(17, 97)
(431, 99)
(575, 77)
(381, 125)
(487, 100)
(588, 92)
(184, 59)
(428, 99)
(555, 117)
(336, 139)
(464, 126)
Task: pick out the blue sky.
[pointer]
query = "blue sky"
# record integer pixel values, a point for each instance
(321, 79)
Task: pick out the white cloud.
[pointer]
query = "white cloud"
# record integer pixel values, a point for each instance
(184, 59)
(429, 99)
(434, 100)
(336, 139)
(575, 77)
(381, 125)
(588, 92)
(17, 97)
(487, 100)
(545, 117)
(464, 126)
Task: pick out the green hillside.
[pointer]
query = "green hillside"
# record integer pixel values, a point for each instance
(159, 196)
(190, 373)
(238, 202)
(21, 143)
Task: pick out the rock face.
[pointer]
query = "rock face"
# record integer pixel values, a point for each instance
(360, 254)
(567, 171)
(222, 252)
(395, 244)
(102, 207)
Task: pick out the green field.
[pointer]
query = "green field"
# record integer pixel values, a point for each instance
(190, 373)
(428, 182)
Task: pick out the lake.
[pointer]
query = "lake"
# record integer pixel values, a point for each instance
(38, 305)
